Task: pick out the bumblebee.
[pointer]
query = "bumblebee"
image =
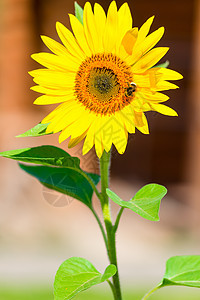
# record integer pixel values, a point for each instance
(130, 89)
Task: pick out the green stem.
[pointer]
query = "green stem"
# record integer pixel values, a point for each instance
(112, 288)
(104, 168)
(101, 227)
(118, 219)
(151, 292)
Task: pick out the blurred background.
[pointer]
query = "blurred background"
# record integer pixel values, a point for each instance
(38, 228)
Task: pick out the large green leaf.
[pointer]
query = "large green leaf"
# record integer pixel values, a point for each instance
(68, 181)
(182, 270)
(44, 155)
(78, 274)
(38, 130)
(146, 201)
(79, 12)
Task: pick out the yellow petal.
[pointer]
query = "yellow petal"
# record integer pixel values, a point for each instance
(141, 104)
(124, 22)
(69, 42)
(54, 79)
(149, 42)
(89, 140)
(56, 116)
(66, 117)
(126, 115)
(125, 19)
(142, 80)
(82, 124)
(163, 109)
(137, 50)
(102, 134)
(154, 79)
(78, 127)
(122, 53)
(54, 46)
(129, 40)
(138, 118)
(121, 144)
(145, 128)
(49, 91)
(106, 132)
(100, 21)
(47, 99)
(149, 59)
(168, 74)
(76, 141)
(63, 122)
(78, 30)
(111, 34)
(120, 136)
(49, 117)
(98, 144)
(165, 85)
(53, 118)
(144, 30)
(152, 39)
(55, 62)
(152, 96)
(50, 73)
(90, 28)
(65, 134)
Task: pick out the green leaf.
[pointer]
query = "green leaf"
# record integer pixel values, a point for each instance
(76, 275)
(79, 12)
(182, 270)
(44, 155)
(163, 65)
(146, 201)
(68, 181)
(38, 130)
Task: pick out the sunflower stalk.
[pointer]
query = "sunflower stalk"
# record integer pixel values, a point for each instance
(110, 229)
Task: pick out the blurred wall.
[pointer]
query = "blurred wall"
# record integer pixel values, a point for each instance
(192, 174)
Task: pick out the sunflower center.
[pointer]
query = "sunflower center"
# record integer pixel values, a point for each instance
(102, 82)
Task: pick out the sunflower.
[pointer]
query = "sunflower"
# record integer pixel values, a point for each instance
(104, 78)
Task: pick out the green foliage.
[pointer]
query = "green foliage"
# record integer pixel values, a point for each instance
(146, 201)
(44, 155)
(79, 12)
(68, 179)
(38, 130)
(71, 182)
(182, 270)
(78, 274)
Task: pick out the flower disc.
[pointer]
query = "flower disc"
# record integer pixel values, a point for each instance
(101, 84)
